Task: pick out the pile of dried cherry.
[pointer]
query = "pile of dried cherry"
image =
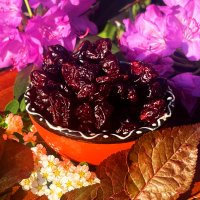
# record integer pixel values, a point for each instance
(91, 91)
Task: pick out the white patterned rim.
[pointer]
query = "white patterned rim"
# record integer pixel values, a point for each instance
(103, 137)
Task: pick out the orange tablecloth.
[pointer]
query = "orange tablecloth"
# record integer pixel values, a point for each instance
(7, 79)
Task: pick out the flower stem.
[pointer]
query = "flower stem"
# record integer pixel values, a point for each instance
(28, 8)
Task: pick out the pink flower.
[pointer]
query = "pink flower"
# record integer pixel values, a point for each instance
(74, 9)
(29, 137)
(187, 12)
(8, 38)
(152, 32)
(171, 3)
(187, 87)
(46, 3)
(153, 37)
(63, 22)
(19, 49)
(29, 51)
(14, 124)
(10, 12)
(52, 28)
(163, 65)
(189, 16)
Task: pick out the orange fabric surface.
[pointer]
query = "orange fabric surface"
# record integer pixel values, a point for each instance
(7, 79)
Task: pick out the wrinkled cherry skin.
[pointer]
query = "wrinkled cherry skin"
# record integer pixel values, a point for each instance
(103, 47)
(89, 90)
(126, 127)
(110, 65)
(143, 72)
(85, 113)
(102, 112)
(60, 108)
(153, 110)
(71, 75)
(38, 78)
(53, 58)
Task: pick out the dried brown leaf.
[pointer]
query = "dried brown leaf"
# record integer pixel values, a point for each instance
(162, 163)
(21, 194)
(112, 173)
(1, 148)
(86, 193)
(16, 163)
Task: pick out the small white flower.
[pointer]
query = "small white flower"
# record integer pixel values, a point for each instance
(48, 175)
(27, 183)
(39, 149)
(95, 180)
(68, 182)
(53, 177)
(58, 172)
(83, 171)
(55, 192)
(39, 189)
(68, 166)
(55, 196)
(49, 162)
(40, 179)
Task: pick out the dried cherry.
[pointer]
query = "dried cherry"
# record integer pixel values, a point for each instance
(132, 95)
(110, 65)
(102, 92)
(103, 47)
(71, 75)
(143, 72)
(102, 112)
(89, 90)
(86, 91)
(85, 113)
(54, 57)
(112, 79)
(126, 127)
(60, 109)
(38, 78)
(153, 110)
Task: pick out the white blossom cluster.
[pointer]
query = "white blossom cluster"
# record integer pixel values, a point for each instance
(53, 178)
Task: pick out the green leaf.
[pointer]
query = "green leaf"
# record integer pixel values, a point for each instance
(162, 163)
(12, 106)
(83, 163)
(22, 105)
(136, 9)
(1, 118)
(109, 31)
(3, 125)
(147, 2)
(22, 81)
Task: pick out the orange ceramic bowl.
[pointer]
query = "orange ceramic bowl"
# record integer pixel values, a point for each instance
(91, 147)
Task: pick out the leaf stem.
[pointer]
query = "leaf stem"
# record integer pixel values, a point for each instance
(28, 8)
